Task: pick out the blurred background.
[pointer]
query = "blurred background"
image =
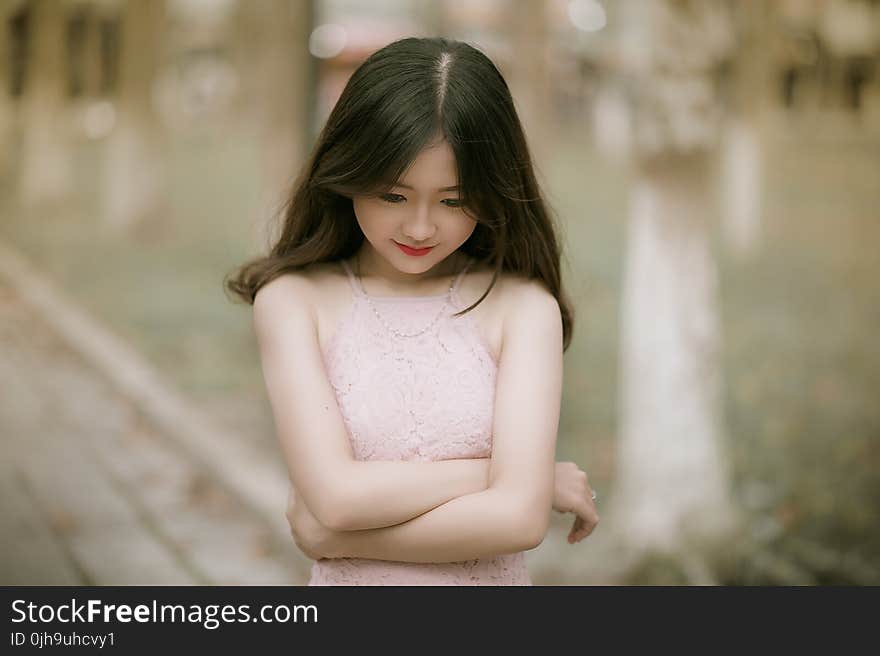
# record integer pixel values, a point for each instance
(715, 170)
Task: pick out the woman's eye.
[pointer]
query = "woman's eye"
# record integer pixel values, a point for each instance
(397, 198)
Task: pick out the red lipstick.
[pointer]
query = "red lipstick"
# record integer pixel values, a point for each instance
(414, 251)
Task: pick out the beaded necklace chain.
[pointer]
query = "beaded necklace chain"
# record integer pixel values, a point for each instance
(391, 329)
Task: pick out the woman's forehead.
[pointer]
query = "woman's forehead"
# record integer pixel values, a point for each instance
(433, 169)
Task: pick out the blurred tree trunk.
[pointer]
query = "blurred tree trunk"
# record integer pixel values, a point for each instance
(7, 106)
(528, 73)
(279, 85)
(742, 157)
(93, 66)
(45, 157)
(134, 185)
(673, 476)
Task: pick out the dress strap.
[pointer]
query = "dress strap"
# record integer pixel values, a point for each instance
(460, 275)
(352, 279)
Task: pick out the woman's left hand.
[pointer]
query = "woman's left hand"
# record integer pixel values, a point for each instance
(572, 493)
(313, 538)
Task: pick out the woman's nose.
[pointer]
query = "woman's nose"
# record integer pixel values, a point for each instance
(419, 227)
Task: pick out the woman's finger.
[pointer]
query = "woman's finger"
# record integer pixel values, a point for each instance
(575, 528)
(588, 517)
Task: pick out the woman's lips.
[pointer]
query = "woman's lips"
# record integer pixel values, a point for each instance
(414, 251)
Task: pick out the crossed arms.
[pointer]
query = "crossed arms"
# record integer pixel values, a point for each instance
(413, 511)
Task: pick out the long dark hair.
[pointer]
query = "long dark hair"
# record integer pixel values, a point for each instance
(393, 105)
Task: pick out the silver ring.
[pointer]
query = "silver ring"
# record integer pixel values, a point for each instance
(594, 495)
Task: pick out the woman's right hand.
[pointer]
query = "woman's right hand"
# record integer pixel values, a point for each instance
(572, 493)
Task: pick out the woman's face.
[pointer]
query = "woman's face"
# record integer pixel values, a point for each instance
(421, 211)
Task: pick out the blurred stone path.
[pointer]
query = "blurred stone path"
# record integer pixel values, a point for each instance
(93, 494)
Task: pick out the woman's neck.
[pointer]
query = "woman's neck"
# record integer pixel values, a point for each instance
(382, 277)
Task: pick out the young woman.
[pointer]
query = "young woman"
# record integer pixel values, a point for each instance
(411, 324)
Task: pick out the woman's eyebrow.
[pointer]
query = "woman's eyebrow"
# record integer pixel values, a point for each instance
(406, 186)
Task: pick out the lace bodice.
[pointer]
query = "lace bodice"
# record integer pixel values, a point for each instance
(414, 383)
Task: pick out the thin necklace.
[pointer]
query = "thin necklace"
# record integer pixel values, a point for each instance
(391, 329)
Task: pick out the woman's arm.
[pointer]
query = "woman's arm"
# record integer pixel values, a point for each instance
(396, 491)
(478, 525)
(513, 513)
(571, 493)
(343, 493)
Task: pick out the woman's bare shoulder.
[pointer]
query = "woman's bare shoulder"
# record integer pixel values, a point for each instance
(522, 300)
(283, 307)
(316, 291)
(291, 291)
(308, 282)
(510, 300)
(510, 287)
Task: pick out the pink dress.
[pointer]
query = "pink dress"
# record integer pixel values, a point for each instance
(414, 383)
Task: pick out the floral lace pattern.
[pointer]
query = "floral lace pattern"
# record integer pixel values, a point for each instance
(428, 397)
